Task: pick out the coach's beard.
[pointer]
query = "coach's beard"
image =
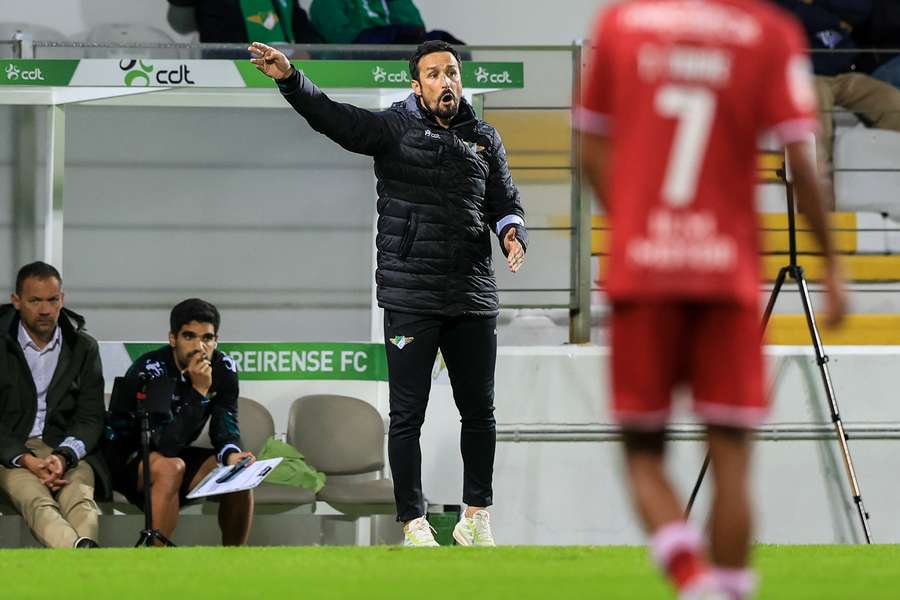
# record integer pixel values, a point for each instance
(445, 106)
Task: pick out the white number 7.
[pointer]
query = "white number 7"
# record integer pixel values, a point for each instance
(694, 108)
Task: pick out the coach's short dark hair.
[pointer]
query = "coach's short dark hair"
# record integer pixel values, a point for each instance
(430, 47)
(38, 270)
(193, 309)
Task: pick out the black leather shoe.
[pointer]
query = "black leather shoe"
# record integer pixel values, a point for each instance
(86, 543)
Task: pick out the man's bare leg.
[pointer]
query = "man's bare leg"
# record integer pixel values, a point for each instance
(235, 509)
(731, 522)
(653, 495)
(236, 517)
(677, 547)
(165, 477)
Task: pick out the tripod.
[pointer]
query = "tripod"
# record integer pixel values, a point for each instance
(148, 533)
(140, 397)
(795, 272)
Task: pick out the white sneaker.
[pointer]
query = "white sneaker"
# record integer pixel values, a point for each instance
(419, 533)
(474, 530)
(705, 595)
(705, 589)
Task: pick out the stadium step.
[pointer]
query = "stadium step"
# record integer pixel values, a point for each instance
(788, 329)
(859, 268)
(858, 330)
(865, 240)
(538, 144)
(774, 231)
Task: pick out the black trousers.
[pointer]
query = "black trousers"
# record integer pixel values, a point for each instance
(469, 348)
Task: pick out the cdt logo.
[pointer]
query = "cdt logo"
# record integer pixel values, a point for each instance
(139, 74)
(482, 75)
(380, 75)
(131, 74)
(14, 73)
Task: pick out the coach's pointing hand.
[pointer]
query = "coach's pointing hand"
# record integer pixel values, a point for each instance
(270, 61)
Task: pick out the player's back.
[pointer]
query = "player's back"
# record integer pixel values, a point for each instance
(686, 88)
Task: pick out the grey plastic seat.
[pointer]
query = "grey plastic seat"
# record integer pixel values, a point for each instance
(256, 427)
(343, 437)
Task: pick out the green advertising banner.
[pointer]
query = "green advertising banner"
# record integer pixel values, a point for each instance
(263, 361)
(386, 74)
(37, 72)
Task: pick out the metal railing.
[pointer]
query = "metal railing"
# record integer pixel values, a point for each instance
(774, 432)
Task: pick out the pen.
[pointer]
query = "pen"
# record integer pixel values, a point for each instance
(241, 464)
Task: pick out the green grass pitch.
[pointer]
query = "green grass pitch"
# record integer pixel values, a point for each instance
(514, 573)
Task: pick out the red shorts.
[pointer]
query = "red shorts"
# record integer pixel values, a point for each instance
(716, 349)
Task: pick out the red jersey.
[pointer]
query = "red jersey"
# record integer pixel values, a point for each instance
(684, 89)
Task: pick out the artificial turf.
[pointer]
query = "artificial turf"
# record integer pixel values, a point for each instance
(515, 573)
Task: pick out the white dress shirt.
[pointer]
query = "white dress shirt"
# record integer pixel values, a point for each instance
(42, 363)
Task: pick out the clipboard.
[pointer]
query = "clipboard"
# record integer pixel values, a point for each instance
(246, 479)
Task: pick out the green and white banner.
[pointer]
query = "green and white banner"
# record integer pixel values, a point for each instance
(238, 73)
(37, 72)
(269, 361)
(156, 73)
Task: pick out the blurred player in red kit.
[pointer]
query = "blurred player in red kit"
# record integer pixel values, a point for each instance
(677, 96)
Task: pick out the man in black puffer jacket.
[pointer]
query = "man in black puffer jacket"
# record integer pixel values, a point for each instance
(444, 189)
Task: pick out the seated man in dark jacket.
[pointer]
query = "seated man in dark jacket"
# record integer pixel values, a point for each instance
(829, 25)
(206, 389)
(51, 402)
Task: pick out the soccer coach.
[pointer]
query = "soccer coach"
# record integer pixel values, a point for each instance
(444, 189)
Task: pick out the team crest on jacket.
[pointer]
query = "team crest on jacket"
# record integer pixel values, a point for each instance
(475, 147)
(229, 363)
(402, 341)
(154, 368)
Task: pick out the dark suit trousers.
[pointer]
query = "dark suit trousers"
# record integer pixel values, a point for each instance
(469, 348)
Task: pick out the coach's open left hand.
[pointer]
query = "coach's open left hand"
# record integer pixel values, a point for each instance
(271, 62)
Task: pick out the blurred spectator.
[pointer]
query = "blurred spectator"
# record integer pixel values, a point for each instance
(829, 26)
(372, 22)
(240, 21)
(882, 32)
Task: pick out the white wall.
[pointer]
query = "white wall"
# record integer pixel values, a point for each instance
(568, 492)
(251, 210)
(474, 21)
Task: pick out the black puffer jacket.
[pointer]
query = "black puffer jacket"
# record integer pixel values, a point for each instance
(441, 195)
